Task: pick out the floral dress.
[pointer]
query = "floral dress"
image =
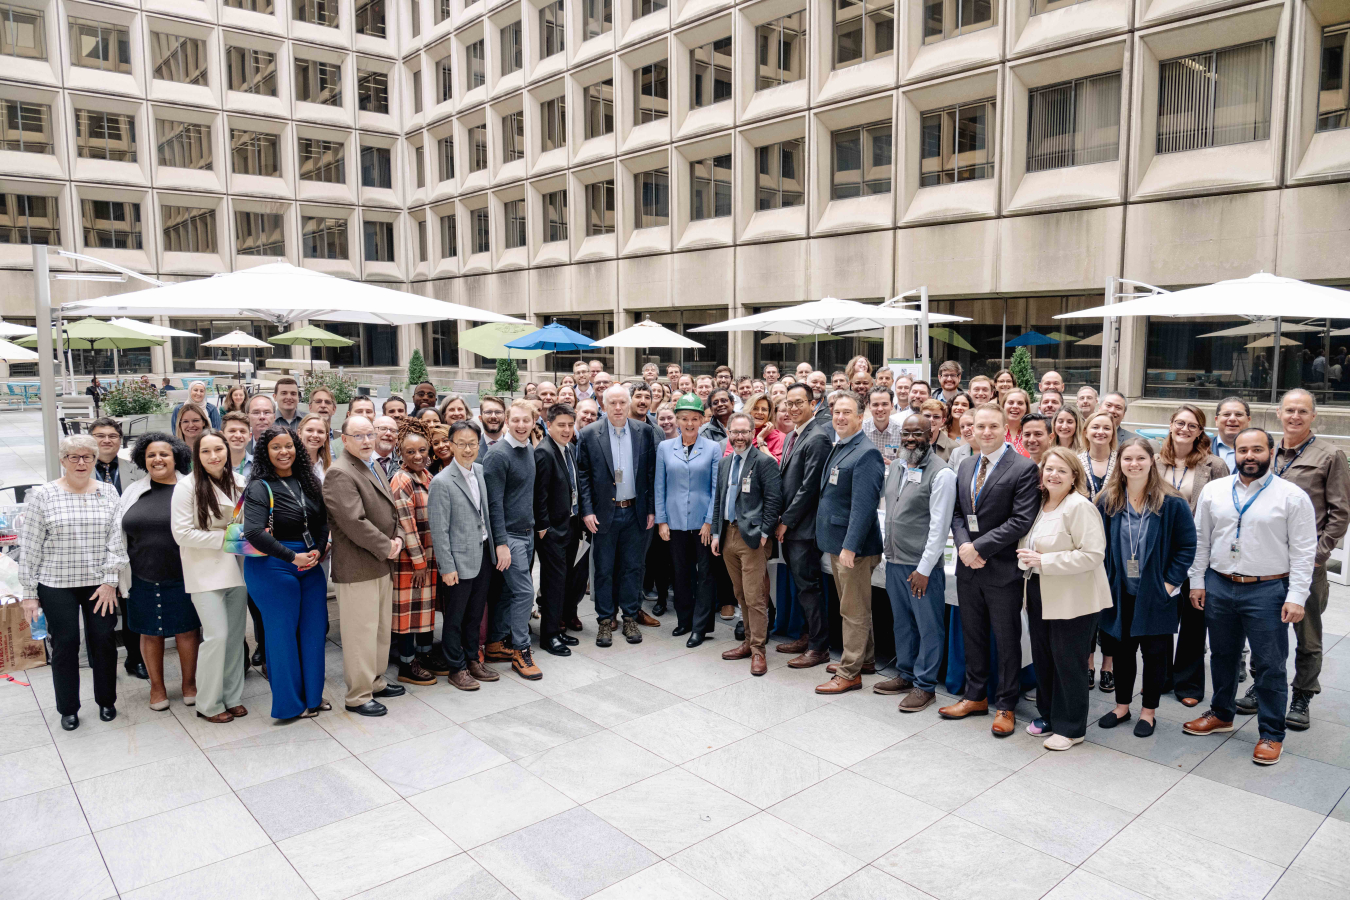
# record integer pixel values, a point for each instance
(414, 607)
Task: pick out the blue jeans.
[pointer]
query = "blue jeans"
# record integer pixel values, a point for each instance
(294, 606)
(919, 624)
(620, 552)
(1251, 611)
(519, 589)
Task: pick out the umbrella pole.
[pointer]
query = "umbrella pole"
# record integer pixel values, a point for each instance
(1275, 368)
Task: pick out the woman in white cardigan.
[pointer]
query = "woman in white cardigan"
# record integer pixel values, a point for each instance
(1066, 590)
(203, 505)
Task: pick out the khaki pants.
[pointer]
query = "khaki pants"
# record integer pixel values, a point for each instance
(747, 568)
(1308, 632)
(855, 608)
(366, 611)
(220, 658)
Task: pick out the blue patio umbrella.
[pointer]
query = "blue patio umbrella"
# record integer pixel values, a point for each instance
(554, 337)
(1030, 339)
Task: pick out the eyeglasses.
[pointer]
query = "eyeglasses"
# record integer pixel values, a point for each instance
(361, 438)
(465, 445)
(795, 404)
(913, 433)
(740, 432)
(1186, 426)
(80, 459)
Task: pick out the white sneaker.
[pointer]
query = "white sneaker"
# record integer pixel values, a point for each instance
(1060, 742)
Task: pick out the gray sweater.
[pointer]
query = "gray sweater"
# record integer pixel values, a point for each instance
(509, 472)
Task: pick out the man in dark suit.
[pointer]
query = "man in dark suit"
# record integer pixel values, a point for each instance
(997, 497)
(848, 530)
(804, 455)
(616, 474)
(745, 511)
(557, 517)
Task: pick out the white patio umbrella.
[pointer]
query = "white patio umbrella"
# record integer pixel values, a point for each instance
(236, 340)
(1267, 327)
(14, 353)
(153, 330)
(648, 334)
(1260, 296)
(9, 329)
(1269, 341)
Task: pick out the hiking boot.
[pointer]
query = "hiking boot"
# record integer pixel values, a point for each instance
(413, 673)
(605, 636)
(523, 664)
(497, 651)
(1297, 717)
(1246, 704)
(433, 663)
(630, 631)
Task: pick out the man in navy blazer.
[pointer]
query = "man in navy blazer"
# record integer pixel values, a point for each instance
(997, 497)
(848, 530)
(616, 477)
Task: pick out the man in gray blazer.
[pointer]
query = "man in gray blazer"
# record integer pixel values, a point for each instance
(461, 532)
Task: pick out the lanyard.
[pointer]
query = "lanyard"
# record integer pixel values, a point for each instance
(1242, 510)
(1294, 458)
(304, 511)
(1176, 482)
(1143, 529)
(974, 494)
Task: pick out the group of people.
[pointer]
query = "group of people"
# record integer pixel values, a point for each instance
(1060, 517)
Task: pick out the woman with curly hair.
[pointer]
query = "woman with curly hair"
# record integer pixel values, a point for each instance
(285, 518)
(158, 604)
(415, 568)
(442, 451)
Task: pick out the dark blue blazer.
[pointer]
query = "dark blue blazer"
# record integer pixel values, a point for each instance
(1169, 550)
(595, 471)
(1009, 501)
(846, 517)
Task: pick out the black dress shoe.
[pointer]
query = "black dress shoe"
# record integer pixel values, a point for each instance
(257, 658)
(70, 722)
(391, 690)
(138, 671)
(568, 639)
(556, 646)
(107, 713)
(694, 640)
(1143, 728)
(660, 608)
(369, 708)
(681, 630)
(740, 630)
(1107, 683)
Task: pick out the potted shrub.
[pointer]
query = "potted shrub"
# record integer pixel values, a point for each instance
(134, 399)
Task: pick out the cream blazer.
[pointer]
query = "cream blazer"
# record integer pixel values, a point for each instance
(206, 567)
(1073, 577)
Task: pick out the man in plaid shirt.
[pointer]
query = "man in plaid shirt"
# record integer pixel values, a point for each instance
(878, 427)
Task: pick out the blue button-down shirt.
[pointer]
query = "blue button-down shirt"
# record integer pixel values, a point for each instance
(1224, 452)
(621, 449)
(686, 483)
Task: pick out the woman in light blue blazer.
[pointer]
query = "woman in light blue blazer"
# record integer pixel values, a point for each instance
(686, 481)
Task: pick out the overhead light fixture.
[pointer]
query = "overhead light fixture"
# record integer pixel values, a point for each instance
(87, 276)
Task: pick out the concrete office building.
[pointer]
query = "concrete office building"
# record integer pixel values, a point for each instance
(691, 160)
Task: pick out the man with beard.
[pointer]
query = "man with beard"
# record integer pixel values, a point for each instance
(582, 373)
(640, 407)
(385, 454)
(1256, 543)
(920, 495)
(492, 420)
(949, 376)
(919, 391)
(719, 404)
(838, 380)
(424, 395)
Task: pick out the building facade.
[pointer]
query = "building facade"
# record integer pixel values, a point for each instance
(602, 161)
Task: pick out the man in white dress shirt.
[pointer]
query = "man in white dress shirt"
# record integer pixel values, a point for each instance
(1256, 541)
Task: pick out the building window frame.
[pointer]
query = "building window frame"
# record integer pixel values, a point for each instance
(21, 118)
(513, 224)
(91, 123)
(513, 137)
(552, 29)
(651, 198)
(174, 56)
(1063, 118)
(1334, 86)
(553, 124)
(943, 20)
(251, 71)
(771, 176)
(971, 128)
(1197, 79)
(710, 188)
(111, 41)
(869, 32)
(710, 73)
(183, 145)
(370, 18)
(111, 224)
(513, 48)
(23, 32)
(324, 160)
(600, 208)
(482, 229)
(255, 149)
(372, 91)
(449, 236)
(478, 148)
(323, 238)
(651, 92)
(259, 234)
(788, 55)
(324, 13)
(872, 138)
(555, 215)
(378, 240)
(188, 229)
(600, 108)
(377, 167)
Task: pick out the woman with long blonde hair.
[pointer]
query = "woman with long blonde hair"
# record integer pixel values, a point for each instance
(192, 422)
(312, 433)
(1067, 430)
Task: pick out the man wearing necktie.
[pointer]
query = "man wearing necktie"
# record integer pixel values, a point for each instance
(558, 520)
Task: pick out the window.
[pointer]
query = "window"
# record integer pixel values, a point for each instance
(651, 92)
(258, 234)
(1333, 98)
(421, 240)
(255, 153)
(513, 137)
(257, 6)
(178, 58)
(183, 145)
(862, 161)
(944, 19)
(863, 30)
(647, 7)
(318, 82)
(188, 229)
(555, 216)
(478, 148)
(417, 91)
(29, 219)
(443, 11)
(446, 81)
(251, 71)
(1042, 6)
(111, 224)
(710, 181)
(319, 12)
(322, 161)
(97, 45)
(1075, 123)
(781, 173)
(600, 208)
(377, 170)
(449, 236)
(372, 92)
(477, 74)
(482, 242)
(1216, 98)
(513, 212)
(955, 144)
(446, 147)
(551, 29)
(22, 33)
(25, 127)
(512, 49)
(419, 163)
(599, 108)
(370, 18)
(552, 124)
(781, 45)
(105, 135)
(599, 17)
(652, 196)
(324, 238)
(379, 239)
(445, 343)
(416, 18)
(712, 73)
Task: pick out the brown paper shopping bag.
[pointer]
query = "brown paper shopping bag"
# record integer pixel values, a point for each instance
(18, 650)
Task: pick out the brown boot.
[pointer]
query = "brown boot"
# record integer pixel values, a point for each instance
(740, 651)
(463, 680)
(413, 673)
(963, 708)
(896, 685)
(432, 664)
(839, 685)
(497, 651)
(797, 646)
(523, 664)
(809, 659)
(1005, 723)
(758, 664)
(867, 669)
(917, 700)
(646, 620)
(482, 672)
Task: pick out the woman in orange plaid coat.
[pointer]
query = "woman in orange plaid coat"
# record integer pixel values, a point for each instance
(415, 578)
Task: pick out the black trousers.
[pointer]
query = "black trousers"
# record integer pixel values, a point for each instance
(63, 608)
(131, 641)
(259, 634)
(1059, 649)
(803, 559)
(1188, 665)
(694, 590)
(578, 576)
(992, 611)
(555, 554)
(1155, 648)
(463, 614)
(660, 567)
(725, 594)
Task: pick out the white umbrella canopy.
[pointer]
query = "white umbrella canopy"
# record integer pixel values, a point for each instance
(648, 334)
(152, 330)
(282, 294)
(238, 339)
(1252, 328)
(829, 316)
(1259, 296)
(1269, 341)
(9, 329)
(14, 353)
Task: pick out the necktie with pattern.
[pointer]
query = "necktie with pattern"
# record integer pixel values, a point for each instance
(980, 476)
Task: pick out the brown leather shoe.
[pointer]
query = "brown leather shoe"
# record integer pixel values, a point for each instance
(1209, 723)
(917, 700)
(867, 669)
(238, 711)
(647, 620)
(809, 659)
(727, 613)
(837, 685)
(1005, 723)
(483, 672)
(896, 685)
(758, 664)
(962, 708)
(740, 651)
(463, 680)
(221, 718)
(497, 651)
(413, 673)
(523, 665)
(1190, 701)
(1267, 752)
(573, 624)
(797, 646)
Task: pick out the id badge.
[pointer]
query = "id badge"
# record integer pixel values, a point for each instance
(618, 476)
(834, 475)
(972, 523)
(914, 476)
(745, 485)
(574, 498)
(1131, 568)
(309, 541)
(1234, 550)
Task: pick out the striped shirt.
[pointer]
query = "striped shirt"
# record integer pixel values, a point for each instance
(68, 539)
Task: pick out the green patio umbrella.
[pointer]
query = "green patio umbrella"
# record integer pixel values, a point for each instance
(311, 336)
(1061, 336)
(947, 336)
(95, 334)
(490, 340)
